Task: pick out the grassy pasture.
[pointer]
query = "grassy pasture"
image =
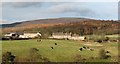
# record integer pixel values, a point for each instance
(64, 51)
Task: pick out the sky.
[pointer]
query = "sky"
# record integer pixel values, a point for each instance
(23, 11)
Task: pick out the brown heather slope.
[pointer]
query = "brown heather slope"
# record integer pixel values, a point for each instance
(45, 21)
(74, 25)
(27, 27)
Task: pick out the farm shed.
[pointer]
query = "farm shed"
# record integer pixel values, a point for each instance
(61, 35)
(77, 38)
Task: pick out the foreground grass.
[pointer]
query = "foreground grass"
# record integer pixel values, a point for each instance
(64, 51)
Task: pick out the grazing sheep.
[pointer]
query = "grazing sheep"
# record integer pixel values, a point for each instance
(88, 47)
(91, 50)
(55, 43)
(51, 47)
(84, 47)
(107, 52)
(81, 49)
(38, 40)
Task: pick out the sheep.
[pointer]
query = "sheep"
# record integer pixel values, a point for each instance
(38, 40)
(88, 47)
(51, 47)
(107, 52)
(91, 50)
(84, 47)
(81, 49)
(55, 43)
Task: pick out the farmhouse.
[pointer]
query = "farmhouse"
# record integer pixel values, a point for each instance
(12, 34)
(30, 35)
(61, 35)
(77, 37)
(23, 35)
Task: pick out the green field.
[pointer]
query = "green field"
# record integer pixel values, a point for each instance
(64, 51)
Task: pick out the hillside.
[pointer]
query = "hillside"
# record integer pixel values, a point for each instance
(45, 21)
(10, 25)
(74, 25)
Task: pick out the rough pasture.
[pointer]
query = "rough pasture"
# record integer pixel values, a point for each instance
(66, 51)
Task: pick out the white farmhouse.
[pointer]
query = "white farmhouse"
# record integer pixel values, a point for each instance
(30, 35)
(24, 35)
(61, 35)
(10, 34)
(69, 36)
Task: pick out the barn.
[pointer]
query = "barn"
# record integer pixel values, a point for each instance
(77, 38)
(61, 35)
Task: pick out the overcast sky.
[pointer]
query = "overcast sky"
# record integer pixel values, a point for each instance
(21, 11)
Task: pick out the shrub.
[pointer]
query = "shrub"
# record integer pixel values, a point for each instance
(8, 58)
(103, 55)
(79, 58)
(106, 39)
(34, 56)
(92, 58)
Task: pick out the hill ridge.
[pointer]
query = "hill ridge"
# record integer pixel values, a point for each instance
(75, 25)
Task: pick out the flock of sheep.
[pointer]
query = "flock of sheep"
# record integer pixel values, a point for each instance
(80, 49)
(87, 48)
